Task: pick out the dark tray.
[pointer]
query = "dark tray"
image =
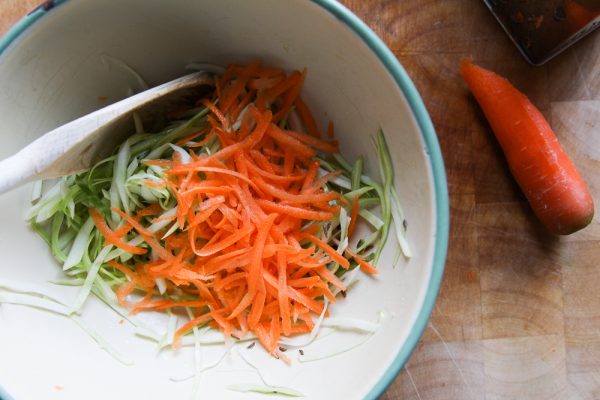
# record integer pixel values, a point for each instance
(543, 28)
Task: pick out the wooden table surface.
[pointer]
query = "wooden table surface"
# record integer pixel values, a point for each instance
(518, 315)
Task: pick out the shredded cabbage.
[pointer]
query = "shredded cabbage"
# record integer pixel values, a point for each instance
(128, 182)
(303, 342)
(21, 296)
(369, 330)
(265, 389)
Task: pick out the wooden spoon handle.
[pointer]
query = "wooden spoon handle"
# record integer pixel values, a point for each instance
(79, 144)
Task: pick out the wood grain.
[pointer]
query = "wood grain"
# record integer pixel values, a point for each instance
(518, 316)
(12, 10)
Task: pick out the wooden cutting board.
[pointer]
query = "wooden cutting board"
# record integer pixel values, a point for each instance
(518, 315)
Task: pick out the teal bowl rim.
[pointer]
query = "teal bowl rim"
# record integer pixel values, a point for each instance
(421, 115)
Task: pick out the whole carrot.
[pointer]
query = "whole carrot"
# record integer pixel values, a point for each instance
(554, 188)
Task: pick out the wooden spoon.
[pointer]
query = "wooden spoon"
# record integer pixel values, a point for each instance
(79, 144)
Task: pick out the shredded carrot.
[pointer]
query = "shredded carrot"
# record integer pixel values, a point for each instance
(328, 275)
(307, 117)
(147, 235)
(190, 137)
(189, 325)
(296, 212)
(289, 143)
(217, 113)
(335, 256)
(203, 142)
(264, 83)
(123, 230)
(290, 98)
(330, 130)
(152, 184)
(109, 236)
(365, 266)
(353, 215)
(246, 254)
(329, 147)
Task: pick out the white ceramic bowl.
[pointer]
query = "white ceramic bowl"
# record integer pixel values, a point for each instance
(51, 71)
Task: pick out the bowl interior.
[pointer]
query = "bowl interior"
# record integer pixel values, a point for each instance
(66, 64)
